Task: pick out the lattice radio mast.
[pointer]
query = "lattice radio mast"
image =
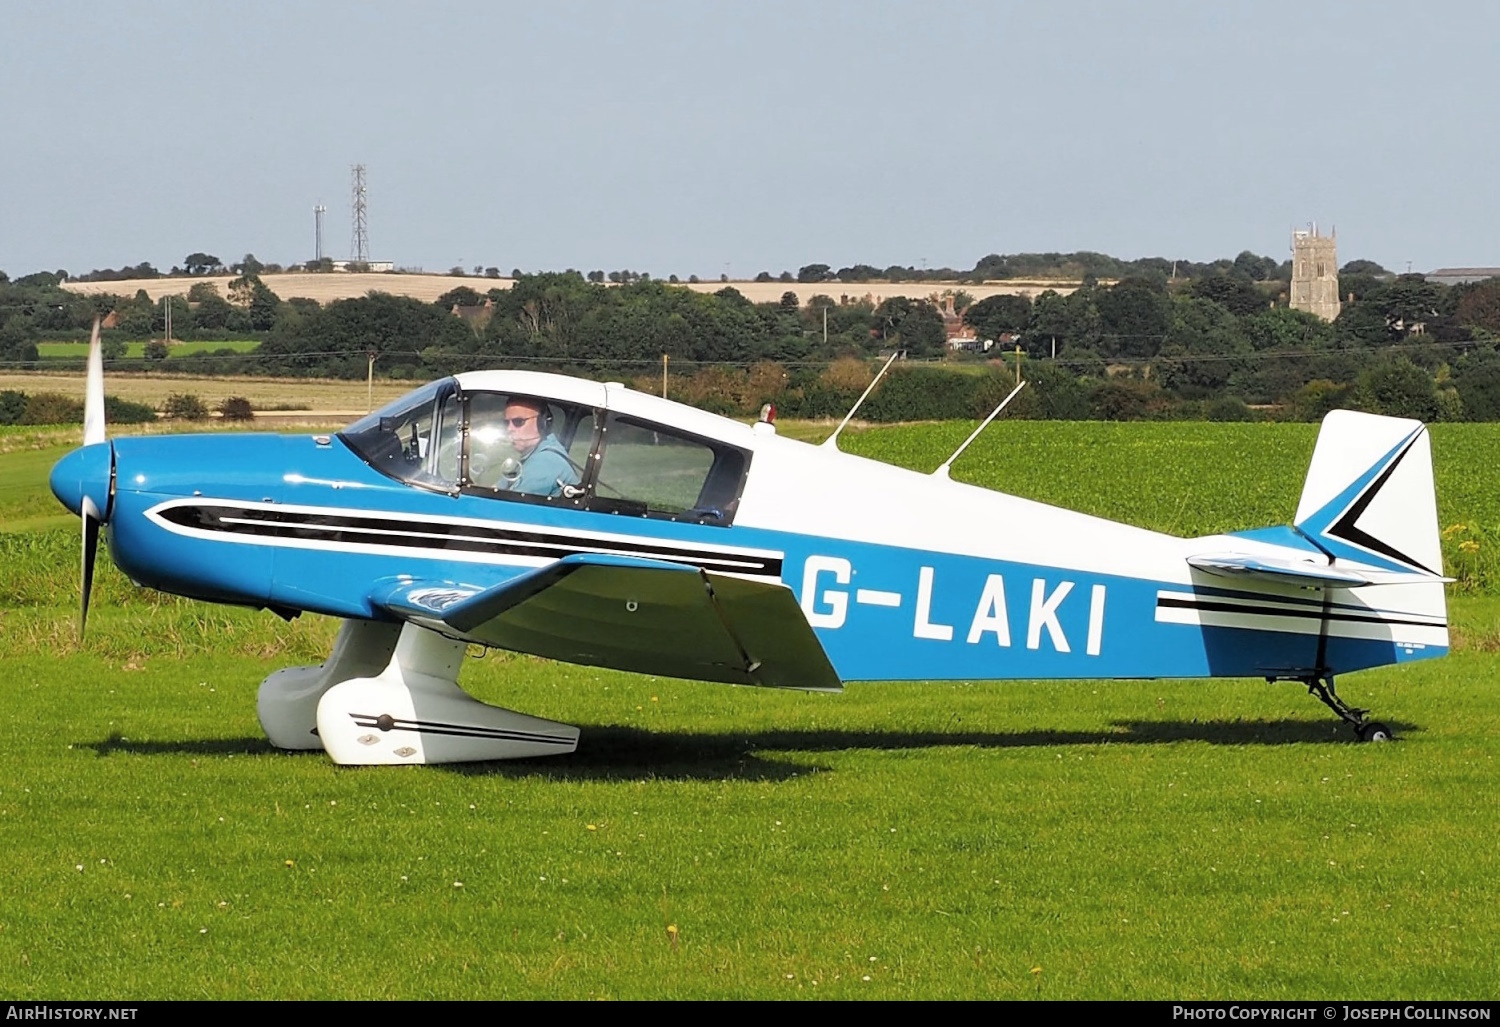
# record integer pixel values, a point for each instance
(359, 242)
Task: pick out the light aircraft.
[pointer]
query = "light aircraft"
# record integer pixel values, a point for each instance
(671, 541)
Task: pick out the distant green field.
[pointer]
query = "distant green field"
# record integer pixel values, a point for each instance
(137, 350)
(1070, 839)
(11, 432)
(1192, 478)
(1189, 478)
(23, 505)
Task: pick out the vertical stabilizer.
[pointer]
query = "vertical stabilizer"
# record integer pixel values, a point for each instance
(1369, 494)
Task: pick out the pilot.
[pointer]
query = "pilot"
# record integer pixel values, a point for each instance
(545, 467)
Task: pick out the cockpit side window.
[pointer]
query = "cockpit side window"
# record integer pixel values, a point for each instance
(527, 446)
(651, 470)
(416, 438)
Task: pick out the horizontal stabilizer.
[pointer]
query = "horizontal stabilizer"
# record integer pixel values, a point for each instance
(647, 616)
(1306, 573)
(1290, 572)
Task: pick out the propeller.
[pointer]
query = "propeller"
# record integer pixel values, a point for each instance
(93, 395)
(91, 526)
(93, 432)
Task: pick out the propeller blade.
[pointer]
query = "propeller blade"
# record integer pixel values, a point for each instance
(91, 524)
(93, 396)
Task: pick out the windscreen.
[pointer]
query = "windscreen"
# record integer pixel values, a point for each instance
(415, 438)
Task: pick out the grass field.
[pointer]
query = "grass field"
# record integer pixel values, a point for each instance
(137, 350)
(1217, 839)
(1198, 479)
(1188, 478)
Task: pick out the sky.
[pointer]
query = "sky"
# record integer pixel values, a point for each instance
(723, 137)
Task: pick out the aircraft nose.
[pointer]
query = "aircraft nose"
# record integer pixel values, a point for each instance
(84, 474)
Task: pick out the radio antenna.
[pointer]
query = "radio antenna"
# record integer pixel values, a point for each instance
(833, 440)
(942, 471)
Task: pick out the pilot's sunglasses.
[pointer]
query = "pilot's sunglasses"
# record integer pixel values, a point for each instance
(520, 422)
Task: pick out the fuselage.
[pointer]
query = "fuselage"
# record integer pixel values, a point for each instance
(902, 575)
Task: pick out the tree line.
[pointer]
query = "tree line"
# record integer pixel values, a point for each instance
(1217, 341)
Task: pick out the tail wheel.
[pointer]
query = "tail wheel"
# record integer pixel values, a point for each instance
(1374, 731)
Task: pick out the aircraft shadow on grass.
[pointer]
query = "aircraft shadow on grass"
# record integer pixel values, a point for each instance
(628, 753)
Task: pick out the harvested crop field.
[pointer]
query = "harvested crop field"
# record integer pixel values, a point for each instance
(321, 287)
(321, 394)
(336, 286)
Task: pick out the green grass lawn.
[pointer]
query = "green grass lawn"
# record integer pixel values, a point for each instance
(1218, 839)
(1130, 840)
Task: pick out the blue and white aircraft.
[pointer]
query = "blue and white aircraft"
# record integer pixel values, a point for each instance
(665, 540)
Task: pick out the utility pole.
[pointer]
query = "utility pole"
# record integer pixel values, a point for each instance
(1018, 363)
(825, 326)
(663, 376)
(370, 382)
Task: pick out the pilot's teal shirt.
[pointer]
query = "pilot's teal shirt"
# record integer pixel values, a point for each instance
(546, 469)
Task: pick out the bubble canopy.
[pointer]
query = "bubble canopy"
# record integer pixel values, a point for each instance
(513, 445)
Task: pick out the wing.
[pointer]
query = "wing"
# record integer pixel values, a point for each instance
(648, 616)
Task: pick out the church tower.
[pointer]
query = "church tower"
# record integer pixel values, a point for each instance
(1315, 273)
